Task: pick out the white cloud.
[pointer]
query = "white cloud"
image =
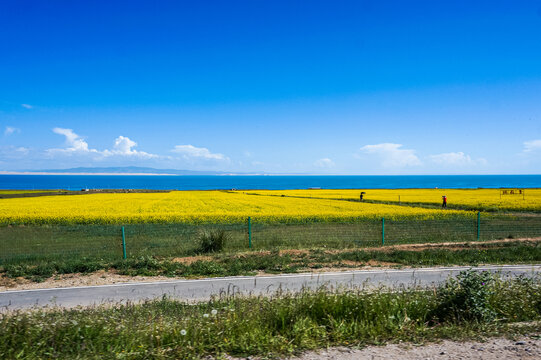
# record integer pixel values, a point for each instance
(123, 147)
(22, 150)
(13, 152)
(75, 143)
(456, 159)
(532, 145)
(324, 163)
(26, 106)
(11, 130)
(392, 155)
(192, 152)
(13, 156)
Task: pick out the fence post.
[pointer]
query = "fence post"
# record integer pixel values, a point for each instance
(478, 225)
(249, 232)
(123, 243)
(383, 231)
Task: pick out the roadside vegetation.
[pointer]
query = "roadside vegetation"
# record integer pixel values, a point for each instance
(285, 261)
(472, 306)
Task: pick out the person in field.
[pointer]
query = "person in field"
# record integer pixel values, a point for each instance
(444, 204)
(362, 196)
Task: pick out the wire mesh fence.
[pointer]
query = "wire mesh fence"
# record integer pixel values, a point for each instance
(57, 242)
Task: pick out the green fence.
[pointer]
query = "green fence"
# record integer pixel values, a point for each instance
(49, 242)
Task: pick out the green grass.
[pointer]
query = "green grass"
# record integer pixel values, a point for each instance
(475, 305)
(30, 243)
(16, 192)
(7, 194)
(284, 262)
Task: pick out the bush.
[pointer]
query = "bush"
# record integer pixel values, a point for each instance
(466, 298)
(212, 240)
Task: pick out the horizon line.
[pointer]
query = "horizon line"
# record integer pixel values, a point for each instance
(234, 174)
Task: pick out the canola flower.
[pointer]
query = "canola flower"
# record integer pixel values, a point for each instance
(490, 199)
(197, 207)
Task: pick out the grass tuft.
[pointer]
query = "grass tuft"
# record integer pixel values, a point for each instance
(214, 240)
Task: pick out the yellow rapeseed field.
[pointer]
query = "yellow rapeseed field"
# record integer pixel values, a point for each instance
(482, 199)
(196, 207)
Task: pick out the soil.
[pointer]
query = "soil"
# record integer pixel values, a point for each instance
(455, 245)
(71, 280)
(496, 348)
(191, 259)
(499, 348)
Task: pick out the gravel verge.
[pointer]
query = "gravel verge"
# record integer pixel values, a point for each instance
(497, 348)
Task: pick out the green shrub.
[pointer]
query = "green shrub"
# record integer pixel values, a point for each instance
(466, 298)
(212, 240)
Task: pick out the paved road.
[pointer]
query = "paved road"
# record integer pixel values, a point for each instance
(199, 290)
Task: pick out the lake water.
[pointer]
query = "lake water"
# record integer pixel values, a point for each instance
(272, 182)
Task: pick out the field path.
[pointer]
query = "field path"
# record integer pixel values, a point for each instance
(200, 290)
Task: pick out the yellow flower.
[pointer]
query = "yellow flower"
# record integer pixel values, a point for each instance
(208, 206)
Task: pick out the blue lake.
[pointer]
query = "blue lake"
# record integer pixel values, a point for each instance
(209, 182)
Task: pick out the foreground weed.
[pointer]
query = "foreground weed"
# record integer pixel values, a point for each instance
(281, 324)
(466, 298)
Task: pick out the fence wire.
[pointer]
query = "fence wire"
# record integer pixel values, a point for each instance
(61, 242)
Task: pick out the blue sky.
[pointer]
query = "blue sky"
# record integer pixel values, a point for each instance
(326, 87)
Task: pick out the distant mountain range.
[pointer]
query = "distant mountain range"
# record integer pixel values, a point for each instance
(130, 170)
